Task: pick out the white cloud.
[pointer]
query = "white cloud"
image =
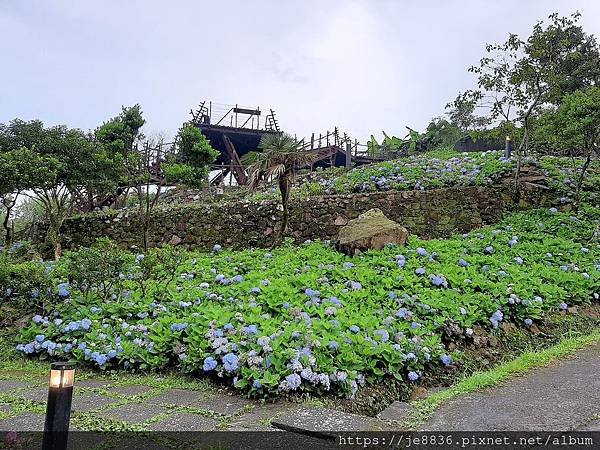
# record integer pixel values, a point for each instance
(365, 66)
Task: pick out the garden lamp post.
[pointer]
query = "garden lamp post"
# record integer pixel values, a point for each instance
(58, 409)
(508, 147)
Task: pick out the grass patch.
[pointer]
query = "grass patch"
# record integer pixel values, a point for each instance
(423, 409)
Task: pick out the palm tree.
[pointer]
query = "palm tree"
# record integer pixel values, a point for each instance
(280, 158)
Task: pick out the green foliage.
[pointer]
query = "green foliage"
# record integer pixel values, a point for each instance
(185, 174)
(25, 283)
(439, 134)
(262, 316)
(280, 159)
(97, 269)
(194, 149)
(518, 77)
(119, 134)
(575, 124)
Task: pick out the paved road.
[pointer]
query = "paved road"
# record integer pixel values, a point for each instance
(563, 396)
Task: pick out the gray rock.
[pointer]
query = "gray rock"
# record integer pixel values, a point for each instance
(396, 412)
(88, 401)
(226, 405)
(23, 422)
(39, 395)
(323, 422)
(176, 397)
(184, 422)
(131, 389)
(175, 240)
(10, 385)
(133, 412)
(370, 230)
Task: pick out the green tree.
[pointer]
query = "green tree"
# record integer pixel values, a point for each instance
(193, 147)
(575, 125)
(517, 78)
(21, 170)
(279, 160)
(73, 158)
(193, 160)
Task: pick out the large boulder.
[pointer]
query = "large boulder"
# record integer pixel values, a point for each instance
(370, 230)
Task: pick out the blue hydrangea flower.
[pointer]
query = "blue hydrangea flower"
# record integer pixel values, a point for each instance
(463, 263)
(563, 306)
(28, 348)
(496, 318)
(446, 359)
(217, 248)
(519, 260)
(383, 334)
(228, 327)
(348, 265)
(40, 338)
(178, 327)
(333, 345)
(438, 280)
(238, 279)
(256, 384)
(230, 362)
(420, 271)
(402, 313)
(209, 364)
(293, 381)
(413, 376)
(553, 210)
(421, 251)
(528, 322)
(63, 290)
(489, 249)
(37, 318)
(250, 329)
(355, 285)
(354, 329)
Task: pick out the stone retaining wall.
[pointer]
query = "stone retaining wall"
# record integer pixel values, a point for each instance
(433, 213)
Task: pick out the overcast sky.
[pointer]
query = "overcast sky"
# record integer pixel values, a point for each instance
(364, 66)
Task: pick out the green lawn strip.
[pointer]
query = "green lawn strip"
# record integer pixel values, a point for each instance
(89, 421)
(423, 409)
(19, 405)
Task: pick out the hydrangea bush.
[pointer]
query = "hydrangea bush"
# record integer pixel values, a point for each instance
(440, 169)
(308, 318)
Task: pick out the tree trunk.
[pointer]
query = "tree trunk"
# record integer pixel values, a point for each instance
(582, 175)
(284, 188)
(7, 236)
(53, 237)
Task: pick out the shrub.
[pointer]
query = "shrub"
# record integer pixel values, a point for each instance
(308, 319)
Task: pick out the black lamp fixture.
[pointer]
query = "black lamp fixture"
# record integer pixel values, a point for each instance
(508, 148)
(58, 409)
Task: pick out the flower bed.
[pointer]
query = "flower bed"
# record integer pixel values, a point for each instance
(309, 318)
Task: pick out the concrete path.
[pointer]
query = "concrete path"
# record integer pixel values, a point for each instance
(563, 396)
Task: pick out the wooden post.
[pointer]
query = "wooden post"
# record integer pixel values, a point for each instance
(312, 141)
(348, 154)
